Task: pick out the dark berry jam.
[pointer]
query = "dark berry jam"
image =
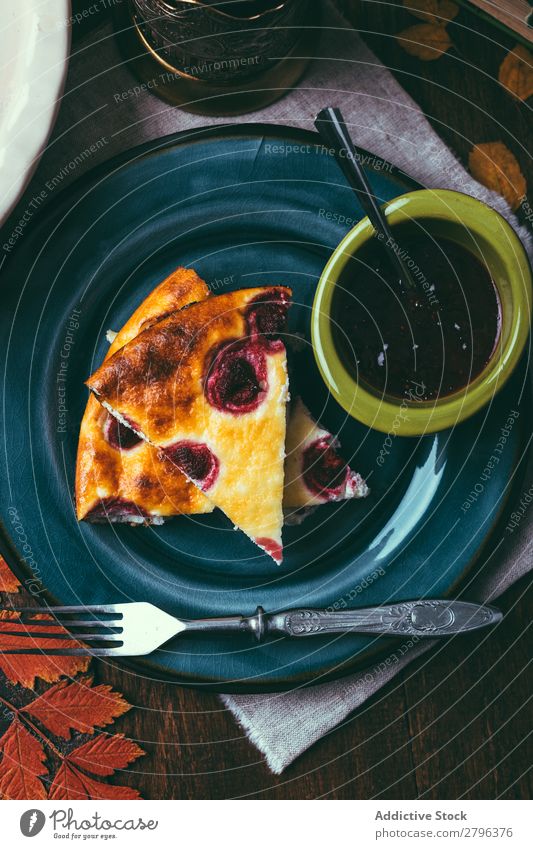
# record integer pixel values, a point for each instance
(271, 547)
(236, 381)
(324, 472)
(266, 316)
(119, 435)
(438, 338)
(195, 460)
(115, 508)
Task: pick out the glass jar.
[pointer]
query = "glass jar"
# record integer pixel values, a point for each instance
(220, 58)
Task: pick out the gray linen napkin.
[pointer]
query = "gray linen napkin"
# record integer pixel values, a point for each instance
(102, 114)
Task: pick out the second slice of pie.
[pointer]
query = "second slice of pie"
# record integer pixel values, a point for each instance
(208, 386)
(315, 473)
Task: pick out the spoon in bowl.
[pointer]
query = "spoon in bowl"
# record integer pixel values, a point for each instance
(333, 131)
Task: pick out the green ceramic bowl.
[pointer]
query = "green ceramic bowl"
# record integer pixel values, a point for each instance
(484, 232)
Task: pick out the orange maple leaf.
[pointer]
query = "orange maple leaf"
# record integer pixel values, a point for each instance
(22, 765)
(67, 705)
(496, 167)
(70, 783)
(516, 72)
(432, 10)
(425, 41)
(78, 706)
(104, 754)
(8, 582)
(24, 668)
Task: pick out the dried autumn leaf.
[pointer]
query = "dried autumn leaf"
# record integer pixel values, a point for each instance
(24, 669)
(71, 784)
(78, 706)
(104, 754)
(425, 41)
(432, 10)
(516, 72)
(8, 582)
(22, 764)
(497, 168)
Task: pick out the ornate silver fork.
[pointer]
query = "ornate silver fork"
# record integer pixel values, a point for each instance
(138, 628)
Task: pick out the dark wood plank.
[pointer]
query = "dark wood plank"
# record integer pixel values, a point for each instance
(513, 14)
(470, 712)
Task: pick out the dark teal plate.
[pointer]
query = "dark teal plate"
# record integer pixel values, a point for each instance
(245, 206)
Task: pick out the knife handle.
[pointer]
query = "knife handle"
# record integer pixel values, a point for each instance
(426, 618)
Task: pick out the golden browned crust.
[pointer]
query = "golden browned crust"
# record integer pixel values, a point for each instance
(156, 382)
(139, 476)
(181, 288)
(156, 379)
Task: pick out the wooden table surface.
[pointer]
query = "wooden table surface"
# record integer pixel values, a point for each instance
(458, 726)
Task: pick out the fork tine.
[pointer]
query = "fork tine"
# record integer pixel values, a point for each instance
(72, 608)
(41, 635)
(70, 652)
(67, 623)
(68, 608)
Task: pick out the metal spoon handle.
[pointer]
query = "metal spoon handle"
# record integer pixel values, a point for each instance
(426, 618)
(334, 132)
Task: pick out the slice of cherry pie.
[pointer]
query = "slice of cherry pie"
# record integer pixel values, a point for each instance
(208, 387)
(119, 476)
(314, 472)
